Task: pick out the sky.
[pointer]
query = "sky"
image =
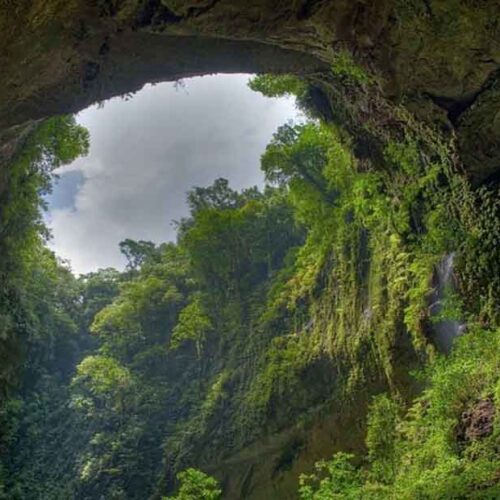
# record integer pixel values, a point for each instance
(146, 152)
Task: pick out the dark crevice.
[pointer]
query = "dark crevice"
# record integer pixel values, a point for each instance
(454, 107)
(320, 103)
(288, 456)
(154, 13)
(90, 71)
(428, 8)
(198, 11)
(308, 9)
(493, 180)
(476, 422)
(104, 48)
(457, 107)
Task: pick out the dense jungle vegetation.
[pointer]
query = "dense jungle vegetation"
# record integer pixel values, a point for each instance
(274, 310)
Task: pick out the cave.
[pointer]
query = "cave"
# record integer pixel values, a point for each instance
(410, 94)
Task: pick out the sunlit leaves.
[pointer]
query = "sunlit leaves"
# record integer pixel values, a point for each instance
(196, 485)
(193, 325)
(277, 85)
(334, 479)
(102, 375)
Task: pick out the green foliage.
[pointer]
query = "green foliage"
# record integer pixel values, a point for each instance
(279, 378)
(98, 290)
(146, 309)
(137, 252)
(55, 142)
(218, 196)
(335, 479)
(286, 86)
(137, 382)
(195, 485)
(423, 455)
(433, 461)
(234, 247)
(297, 151)
(39, 462)
(412, 221)
(381, 435)
(193, 325)
(344, 66)
(479, 272)
(102, 375)
(277, 85)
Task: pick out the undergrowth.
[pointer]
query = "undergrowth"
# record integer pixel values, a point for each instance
(422, 452)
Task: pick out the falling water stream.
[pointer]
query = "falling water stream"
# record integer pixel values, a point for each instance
(445, 331)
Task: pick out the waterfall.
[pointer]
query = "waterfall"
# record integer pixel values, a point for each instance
(444, 331)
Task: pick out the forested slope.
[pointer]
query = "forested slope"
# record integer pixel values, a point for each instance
(282, 327)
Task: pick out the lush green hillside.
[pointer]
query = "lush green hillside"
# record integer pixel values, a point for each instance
(282, 328)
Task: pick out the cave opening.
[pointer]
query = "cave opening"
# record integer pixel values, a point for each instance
(147, 150)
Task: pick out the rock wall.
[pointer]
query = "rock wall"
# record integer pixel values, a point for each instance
(438, 58)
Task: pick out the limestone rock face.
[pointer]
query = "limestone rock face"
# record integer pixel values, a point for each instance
(440, 58)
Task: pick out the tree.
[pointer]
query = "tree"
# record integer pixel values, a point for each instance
(217, 196)
(102, 375)
(299, 152)
(196, 485)
(277, 85)
(309, 98)
(193, 325)
(233, 250)
(55, 142)
(334, 479)
(98, 289)
(137, 252)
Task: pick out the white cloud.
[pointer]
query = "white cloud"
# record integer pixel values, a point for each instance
(148, 151)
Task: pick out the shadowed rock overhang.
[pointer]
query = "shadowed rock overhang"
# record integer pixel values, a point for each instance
(440, 59)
